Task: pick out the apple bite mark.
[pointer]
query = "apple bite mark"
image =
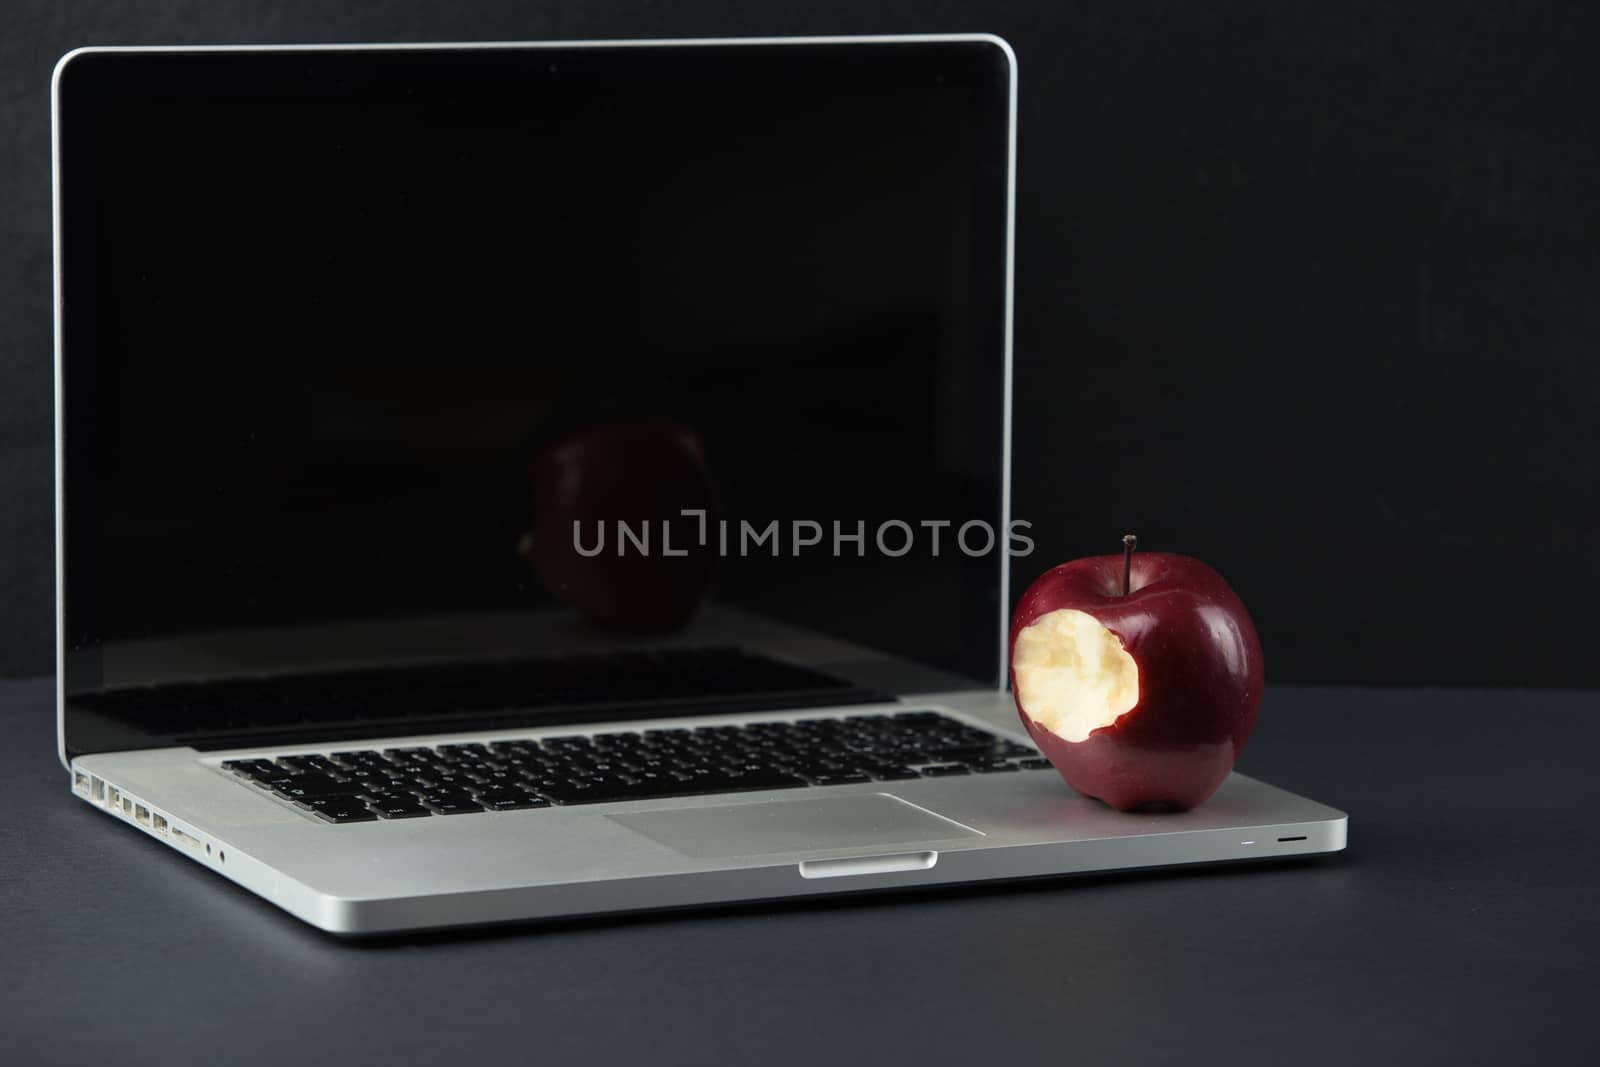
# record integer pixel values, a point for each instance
(1072, 674)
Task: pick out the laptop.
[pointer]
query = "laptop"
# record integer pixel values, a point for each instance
(515, 481)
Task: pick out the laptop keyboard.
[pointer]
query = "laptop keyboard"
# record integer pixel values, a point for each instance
(416, 782)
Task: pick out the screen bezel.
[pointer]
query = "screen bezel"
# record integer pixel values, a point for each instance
(999, 108)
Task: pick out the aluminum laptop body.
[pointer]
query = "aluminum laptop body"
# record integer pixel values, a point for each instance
(349, 337)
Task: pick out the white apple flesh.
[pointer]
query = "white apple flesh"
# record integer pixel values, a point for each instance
(1072, 674)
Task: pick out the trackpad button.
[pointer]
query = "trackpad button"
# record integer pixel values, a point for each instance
(813, 824)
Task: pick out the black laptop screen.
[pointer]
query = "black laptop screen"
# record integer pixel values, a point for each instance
(376, 359)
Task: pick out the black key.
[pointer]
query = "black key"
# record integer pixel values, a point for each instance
(317, 764)
(816, 770)
(524, 767)
(339, 809)
(306, 786)
(991, 768)
(839, 779)
(519, 789)
(514, 787)
(891, 774)
(241, 766)
(564, 791)
(511, 800)
(330, 803)
(378, 766)
(271, 784)
(454, 807)
(390, 796)
(407, 808)
(259, 770)
(766, 778)
(944, 770)
(1035, 764)
(439, 796)
(648, 783)
(442, 783)
(514, 805)
(474, 766)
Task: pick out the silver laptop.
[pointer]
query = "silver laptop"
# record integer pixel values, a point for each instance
(502, 482)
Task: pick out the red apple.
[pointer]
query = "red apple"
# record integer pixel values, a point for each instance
(1141, 696)
(643, 475)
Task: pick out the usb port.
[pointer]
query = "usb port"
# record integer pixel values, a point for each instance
(141, 815)
(160, 823)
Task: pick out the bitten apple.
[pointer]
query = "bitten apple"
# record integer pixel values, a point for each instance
(1139, 676)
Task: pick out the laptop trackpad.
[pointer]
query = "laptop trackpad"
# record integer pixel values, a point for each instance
(812, 824)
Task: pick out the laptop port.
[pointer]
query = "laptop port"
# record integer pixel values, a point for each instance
(97, 789)
(80, 782)
(113, 797)
(187, 840)
(141, 815)
(160, 822)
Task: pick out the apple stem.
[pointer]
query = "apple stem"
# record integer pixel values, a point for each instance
(1129, 543)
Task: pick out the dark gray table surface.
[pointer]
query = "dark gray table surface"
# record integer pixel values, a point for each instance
(1459, 927)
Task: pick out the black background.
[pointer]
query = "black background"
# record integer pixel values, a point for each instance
(1309, 292)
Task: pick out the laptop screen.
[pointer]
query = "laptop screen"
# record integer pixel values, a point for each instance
(528, 360)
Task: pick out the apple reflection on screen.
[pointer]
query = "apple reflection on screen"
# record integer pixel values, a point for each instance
(619, 522)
